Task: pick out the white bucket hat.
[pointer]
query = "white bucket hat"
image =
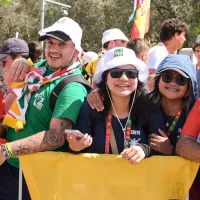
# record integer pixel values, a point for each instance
(89, 56)
(67, 26)
(120, 56)
(113, 34)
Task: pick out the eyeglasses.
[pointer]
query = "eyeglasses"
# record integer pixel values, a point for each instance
(167, 77)
(117, 73)
(3, 63)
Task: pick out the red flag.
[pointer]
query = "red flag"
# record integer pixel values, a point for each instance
(141, 19)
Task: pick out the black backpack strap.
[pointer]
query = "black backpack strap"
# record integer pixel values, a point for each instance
(56, 91)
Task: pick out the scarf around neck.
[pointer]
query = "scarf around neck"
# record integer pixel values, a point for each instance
(35, 79)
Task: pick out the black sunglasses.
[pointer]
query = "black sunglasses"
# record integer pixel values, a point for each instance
(117, 73)
(167, 77)
(3, 63)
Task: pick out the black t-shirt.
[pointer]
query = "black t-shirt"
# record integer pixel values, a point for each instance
(146, 119)
(174, 135)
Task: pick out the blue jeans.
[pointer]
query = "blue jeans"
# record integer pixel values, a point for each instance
(9, 183)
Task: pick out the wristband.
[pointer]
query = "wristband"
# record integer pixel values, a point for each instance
(9, 149)
(147, 150)
(5, 151)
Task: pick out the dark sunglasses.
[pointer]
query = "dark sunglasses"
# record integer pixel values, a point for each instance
(167, 77)
(117, 73)
(3, 63)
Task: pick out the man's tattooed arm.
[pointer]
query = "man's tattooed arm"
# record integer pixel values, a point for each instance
(43, 141)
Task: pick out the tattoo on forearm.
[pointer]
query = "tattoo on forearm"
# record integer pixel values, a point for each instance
(43, 141)
(65, 124)
(25, 146)
(21, 149)
(52, 138)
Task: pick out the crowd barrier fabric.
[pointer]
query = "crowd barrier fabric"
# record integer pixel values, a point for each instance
(60, 176)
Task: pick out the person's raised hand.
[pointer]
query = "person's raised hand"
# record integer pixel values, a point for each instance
(18, 71)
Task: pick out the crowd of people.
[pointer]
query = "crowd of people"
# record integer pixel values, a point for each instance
(139, 101)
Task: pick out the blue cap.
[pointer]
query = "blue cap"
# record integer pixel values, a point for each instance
(179, 63)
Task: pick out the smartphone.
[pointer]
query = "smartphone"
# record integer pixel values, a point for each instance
(78, 134)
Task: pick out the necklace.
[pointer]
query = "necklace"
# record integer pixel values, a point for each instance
(126, 142)
(167, 123)
(123, 128)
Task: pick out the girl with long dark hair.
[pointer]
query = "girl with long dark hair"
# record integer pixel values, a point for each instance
(175, 92)
(128, 117)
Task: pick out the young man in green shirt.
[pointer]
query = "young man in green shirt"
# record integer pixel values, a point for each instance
(43, 129)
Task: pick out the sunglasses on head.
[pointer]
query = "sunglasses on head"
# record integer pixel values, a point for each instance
(3, 63)
(167, 77)
(117, 73)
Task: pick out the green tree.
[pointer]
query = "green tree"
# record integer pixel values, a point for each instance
(186, 10)
(94, 17)
(5, 1)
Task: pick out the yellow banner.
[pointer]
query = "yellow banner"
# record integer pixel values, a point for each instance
(60, 176)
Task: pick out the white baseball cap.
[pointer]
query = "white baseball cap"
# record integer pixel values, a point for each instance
(120, 56)
(113, 34)
(64, 29)
(89, 56)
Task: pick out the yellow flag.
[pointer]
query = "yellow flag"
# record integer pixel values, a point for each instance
(141, 18)
(60, 176)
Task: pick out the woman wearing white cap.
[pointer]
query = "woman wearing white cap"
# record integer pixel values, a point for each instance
(128, 117)
(175, 92)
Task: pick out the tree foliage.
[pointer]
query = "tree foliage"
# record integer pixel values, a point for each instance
(94, 17)
(5, 1)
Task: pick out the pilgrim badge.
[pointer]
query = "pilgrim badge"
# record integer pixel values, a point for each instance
(118, 52)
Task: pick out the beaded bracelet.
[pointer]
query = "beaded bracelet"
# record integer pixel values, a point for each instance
(7, 152)
(9, 149)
